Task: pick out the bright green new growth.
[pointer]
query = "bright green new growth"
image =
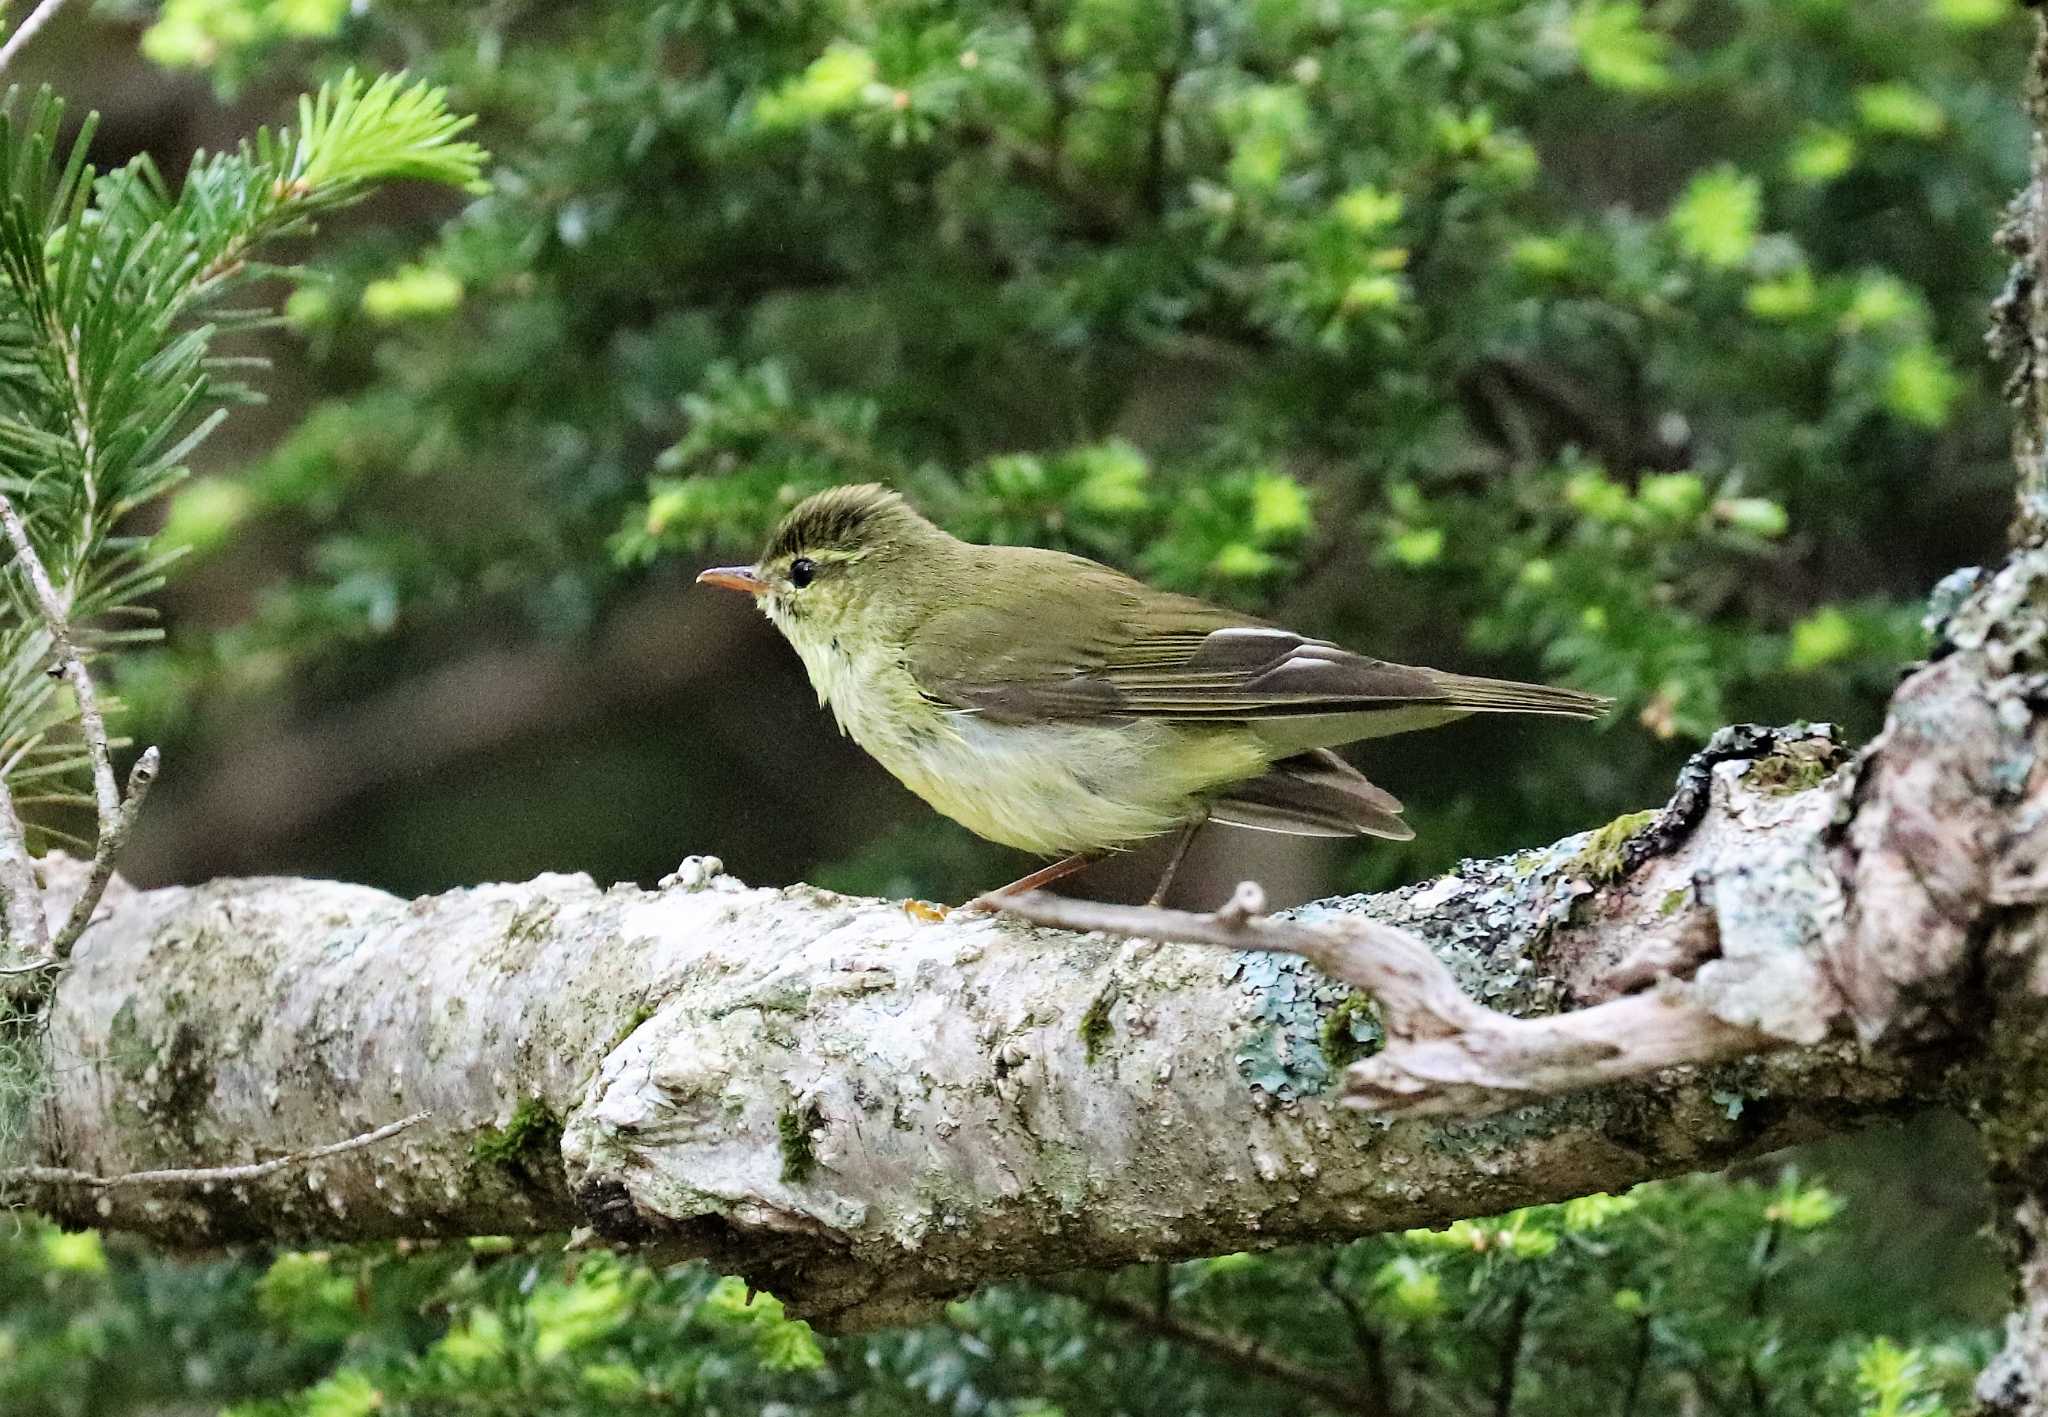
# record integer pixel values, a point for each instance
(1686, 1295)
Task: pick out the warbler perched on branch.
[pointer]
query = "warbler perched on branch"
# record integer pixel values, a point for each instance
(1047, 702)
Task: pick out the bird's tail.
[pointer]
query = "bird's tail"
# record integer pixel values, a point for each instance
(1478, 695)
(1313, 794)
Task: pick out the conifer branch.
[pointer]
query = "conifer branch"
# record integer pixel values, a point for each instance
(103, 379)
(592, 1020)
(114, 816)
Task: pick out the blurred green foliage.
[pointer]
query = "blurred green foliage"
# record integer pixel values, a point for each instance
(1680, 1296)
(1638, 348)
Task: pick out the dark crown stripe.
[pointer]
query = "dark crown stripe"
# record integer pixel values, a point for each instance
(834, 519)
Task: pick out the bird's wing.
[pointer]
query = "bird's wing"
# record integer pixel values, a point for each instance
(1103, 645)
(1252, 671)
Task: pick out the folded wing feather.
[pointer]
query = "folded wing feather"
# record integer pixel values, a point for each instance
(1314, 794)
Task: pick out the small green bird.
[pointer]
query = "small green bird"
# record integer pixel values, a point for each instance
(1049, 703)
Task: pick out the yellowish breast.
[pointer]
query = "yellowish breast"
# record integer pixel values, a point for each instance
(1044, 788)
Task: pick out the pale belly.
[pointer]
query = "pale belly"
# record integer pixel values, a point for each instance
(1044, 788)
(1055, 789)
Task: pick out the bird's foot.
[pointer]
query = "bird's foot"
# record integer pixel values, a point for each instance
(931, 912)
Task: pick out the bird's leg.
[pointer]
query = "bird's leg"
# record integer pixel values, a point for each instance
(1059, 870)
(1046, 875)
(990, 901)
(1179, 854)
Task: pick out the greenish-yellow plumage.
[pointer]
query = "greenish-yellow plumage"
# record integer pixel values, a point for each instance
(1050, 703)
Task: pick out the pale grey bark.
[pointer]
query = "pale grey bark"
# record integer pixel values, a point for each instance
(864, 1111)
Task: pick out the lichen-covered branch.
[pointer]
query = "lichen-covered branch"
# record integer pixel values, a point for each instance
(1444, 1054)
(864, 1111)
(1986, 968)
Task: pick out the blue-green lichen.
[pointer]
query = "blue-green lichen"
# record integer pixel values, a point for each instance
(1282, 1053)
(1487, 922)
(1308, 1027)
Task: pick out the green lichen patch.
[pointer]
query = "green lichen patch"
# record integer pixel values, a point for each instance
(793, 1128)
(641, 1013)
(1096, 1029)
(1604, 857)
(1794, 769)
(532, 922)
(1353, 1031)
(527, 1148)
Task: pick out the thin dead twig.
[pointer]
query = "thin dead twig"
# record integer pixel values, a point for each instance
(205, 1175)
(112, 837)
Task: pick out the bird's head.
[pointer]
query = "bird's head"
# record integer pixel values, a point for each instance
(852, 564)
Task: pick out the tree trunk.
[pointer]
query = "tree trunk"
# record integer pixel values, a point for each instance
(2009, 1000)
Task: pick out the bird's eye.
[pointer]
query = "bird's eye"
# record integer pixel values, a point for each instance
(801, 570)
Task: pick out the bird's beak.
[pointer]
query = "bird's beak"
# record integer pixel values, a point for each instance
(734, 578)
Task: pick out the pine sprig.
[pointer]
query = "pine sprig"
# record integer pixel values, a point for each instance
(350, 135)
(106, 374)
